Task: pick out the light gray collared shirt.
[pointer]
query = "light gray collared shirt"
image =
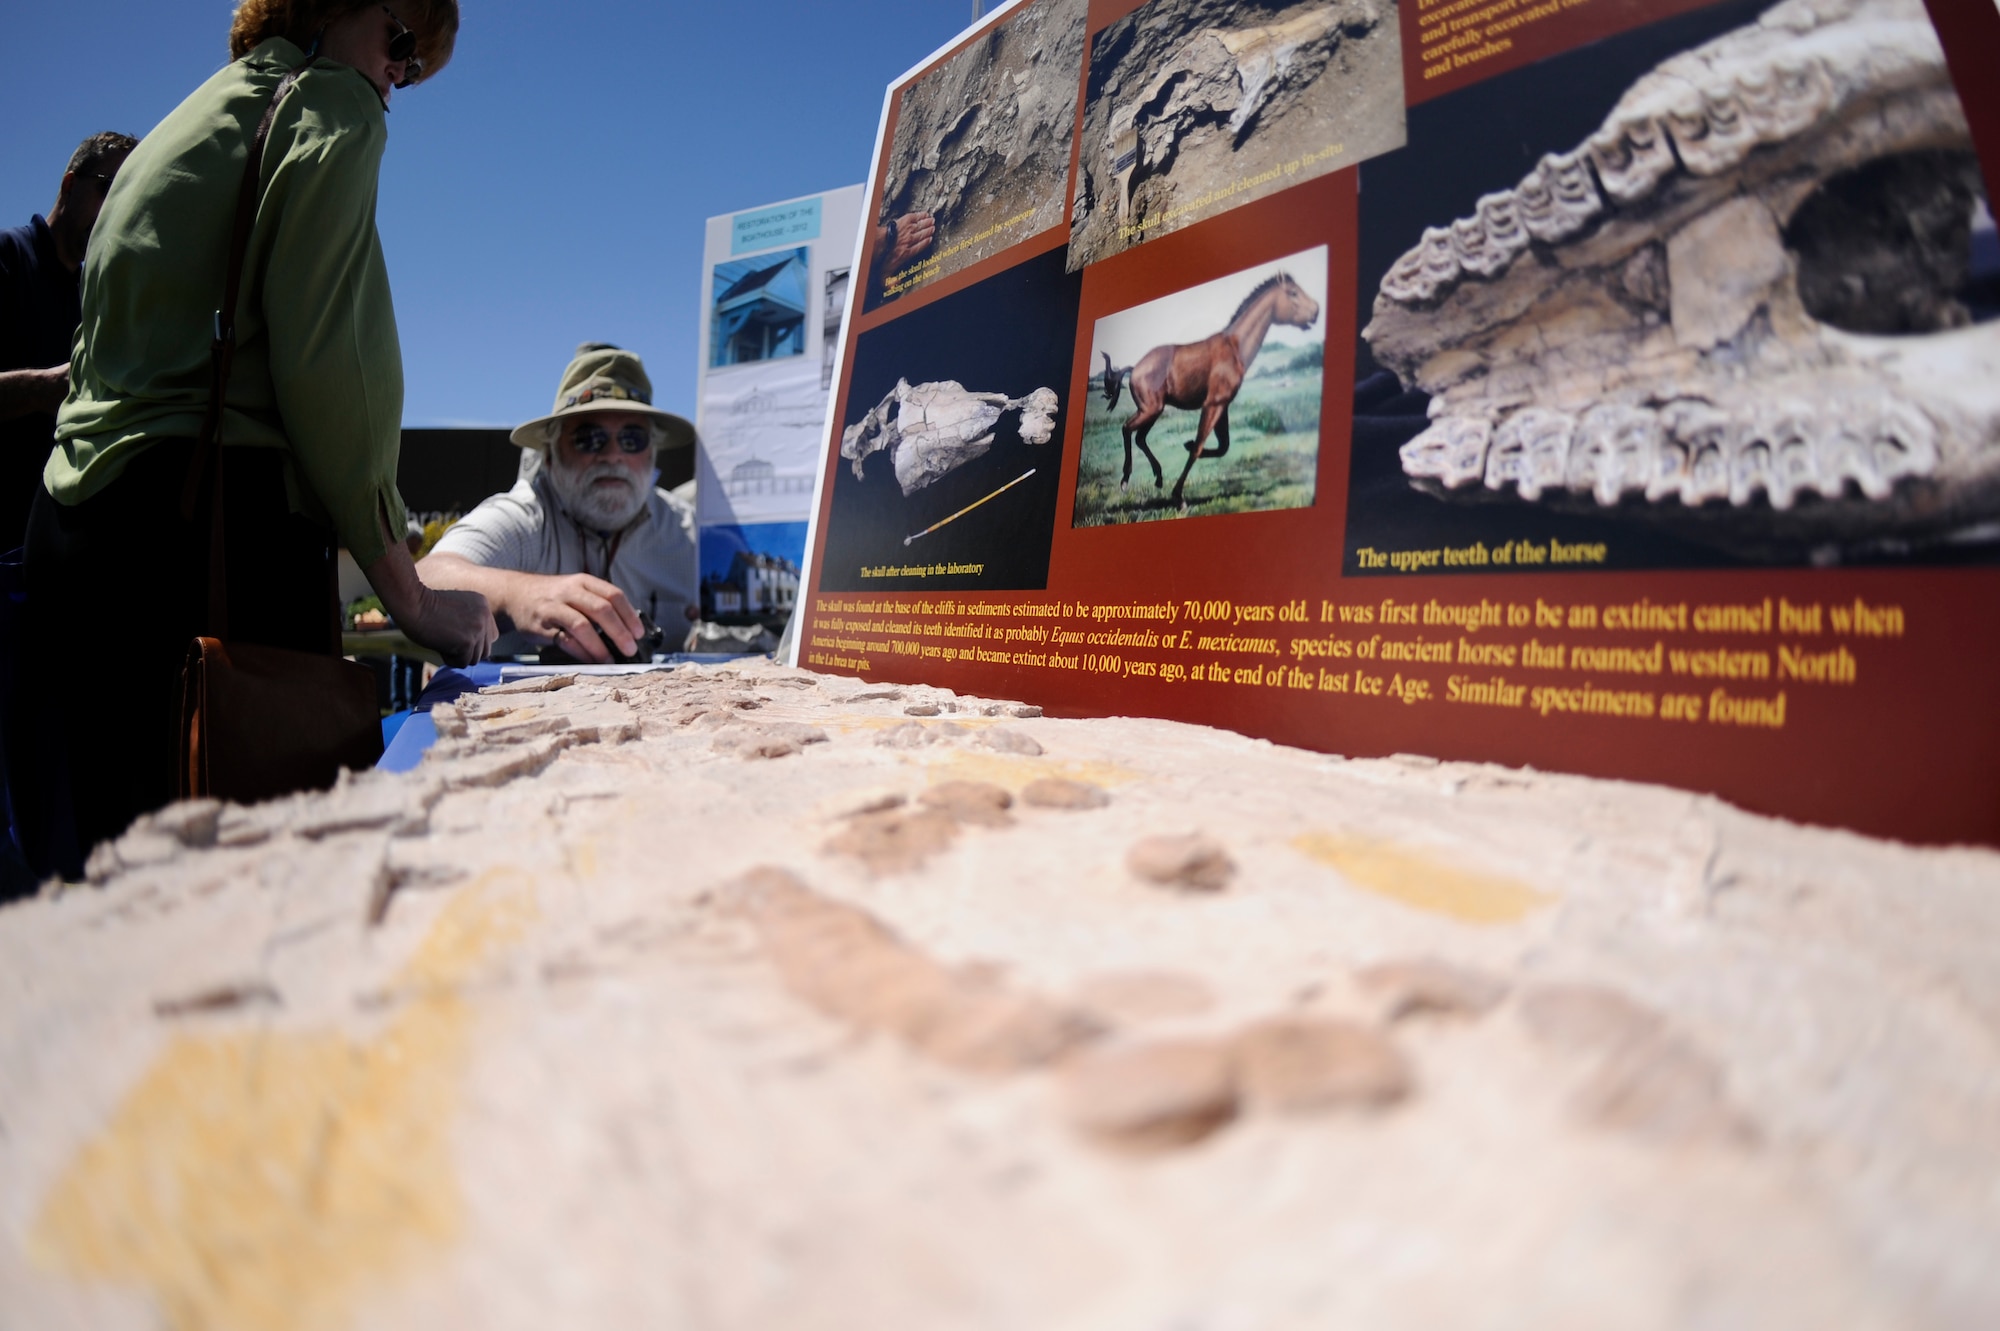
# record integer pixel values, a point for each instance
(528, 530)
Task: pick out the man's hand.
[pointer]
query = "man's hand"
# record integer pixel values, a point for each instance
(577, 612)
(25, 392)
(574, 610)
(914, 234)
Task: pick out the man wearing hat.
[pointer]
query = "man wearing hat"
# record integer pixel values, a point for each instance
(586, 540)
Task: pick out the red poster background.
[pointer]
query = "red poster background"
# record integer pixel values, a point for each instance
(1909, 749)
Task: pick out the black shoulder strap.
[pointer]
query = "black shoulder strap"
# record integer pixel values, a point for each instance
(207, 460)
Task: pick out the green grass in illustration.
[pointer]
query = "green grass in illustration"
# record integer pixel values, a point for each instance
(1272, 460)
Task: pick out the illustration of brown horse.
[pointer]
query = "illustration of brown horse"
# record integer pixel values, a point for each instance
(1204, 375)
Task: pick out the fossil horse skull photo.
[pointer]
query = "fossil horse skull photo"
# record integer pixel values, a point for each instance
(931, 429)
(1733, 302)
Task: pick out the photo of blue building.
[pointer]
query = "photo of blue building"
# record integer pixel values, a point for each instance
(760, 308)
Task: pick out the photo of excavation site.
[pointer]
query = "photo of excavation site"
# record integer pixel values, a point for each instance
(1207, 401)
(1195, 107)
(979, 158)
(950, 451)
(1731, 299)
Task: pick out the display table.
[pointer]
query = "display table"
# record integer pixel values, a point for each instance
(405, 747)
(384, 642)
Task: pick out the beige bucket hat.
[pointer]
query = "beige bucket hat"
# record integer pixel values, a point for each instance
(602, 377)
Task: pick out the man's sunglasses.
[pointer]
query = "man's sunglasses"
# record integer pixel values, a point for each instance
(403, 47)
(590, 440)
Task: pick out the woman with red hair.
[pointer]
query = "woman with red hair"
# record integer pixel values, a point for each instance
(116, 575)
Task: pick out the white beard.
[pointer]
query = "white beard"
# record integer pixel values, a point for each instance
(605, 507)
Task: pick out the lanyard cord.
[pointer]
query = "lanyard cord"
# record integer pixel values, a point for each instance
(611, 544)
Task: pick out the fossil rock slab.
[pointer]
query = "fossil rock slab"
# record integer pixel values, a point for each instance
(1224, 74)
(612, 1025)
(986, 138)
(1188, 98)
(933, 428)
(1729, 309)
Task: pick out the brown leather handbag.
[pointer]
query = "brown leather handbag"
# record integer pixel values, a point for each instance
(256, 721)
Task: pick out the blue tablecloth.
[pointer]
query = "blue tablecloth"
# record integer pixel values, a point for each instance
(405, 744)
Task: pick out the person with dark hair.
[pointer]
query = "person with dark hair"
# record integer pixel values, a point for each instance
(40, 279)
(116, 575)
(40, 267)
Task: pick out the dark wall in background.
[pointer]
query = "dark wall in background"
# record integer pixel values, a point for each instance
(444, 471)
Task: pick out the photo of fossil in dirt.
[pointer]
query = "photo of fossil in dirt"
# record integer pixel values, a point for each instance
(1194, 107)
(979, 159)
(1753, 311)
(1217, 386)
(950, 446)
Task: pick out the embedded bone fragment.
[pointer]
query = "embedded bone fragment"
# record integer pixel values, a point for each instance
(1647, 315)
(844, 962)
(1426, 986)
(888, 841)
(1299, 1064)
(978, 803)
(1586, 1017)
(1665, 1090)
(1151, 1097)
(1054, 792)
(1000, 739)
(1219, 72)
(1190, 861)
(933, 428)
(1140, 996)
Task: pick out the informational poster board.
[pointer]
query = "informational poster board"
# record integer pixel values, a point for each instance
(774, 290)
(1611, 386)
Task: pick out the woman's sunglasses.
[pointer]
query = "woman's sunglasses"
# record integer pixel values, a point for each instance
(403, 47)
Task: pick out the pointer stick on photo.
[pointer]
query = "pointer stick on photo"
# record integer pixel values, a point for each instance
(969, 507)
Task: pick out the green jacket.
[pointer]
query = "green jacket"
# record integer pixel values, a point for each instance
(318, 370)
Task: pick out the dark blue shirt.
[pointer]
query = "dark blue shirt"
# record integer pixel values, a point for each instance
(40, 307)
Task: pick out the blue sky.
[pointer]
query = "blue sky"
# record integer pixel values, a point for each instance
(549, 186)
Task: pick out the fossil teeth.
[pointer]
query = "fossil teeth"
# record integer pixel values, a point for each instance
(1613, 451)
(1698, 432)
(1632, 157)
(1548, 436)
(1717, 137)
(1689, 451)
(1506, 458)
(1452, 451)
(1531, 450)
(1557, 199)
(1774, 453)
(1743, 297)
(1749, 472)
(1421, 273)
(1875, 444)
(1500, 217)
(1785, 97)
(1668, 474)
(1474, 248)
